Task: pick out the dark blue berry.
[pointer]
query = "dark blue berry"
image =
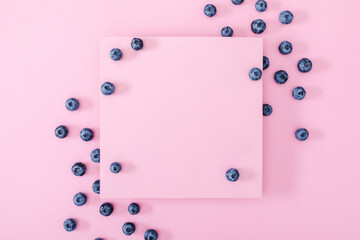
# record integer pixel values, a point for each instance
(98, 239)
(266, 62)
(255, 74)
(258, 26)
(79, 199)
(116, 54)
(210, 10)
(86, 134)
(281, 77)
(267, 109)
(304, 65)
(299, 93)
(301, 134)
(137, 44)
(95, 155)
(70, 224)
(78, 169)
(115, 167)
(61, 131)
(134, 208)
(261, 5)
(226, 31)
(237, 2)
(286, 17)
(106, 209)
(128, 228)
(96, 187)
(232, 175)
(72, 104)
(151, 234)
(107, 88)
(285, 47)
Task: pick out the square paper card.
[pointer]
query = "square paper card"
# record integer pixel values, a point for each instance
(184, 111)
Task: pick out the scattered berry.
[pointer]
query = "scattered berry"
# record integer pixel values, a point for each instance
(137, 44)
(86, 134)
(70, 224)
(78, 169)
(116, 54)
(301, 134)
(299, 93)
(106, 209)
(267, 109)
(61, 131)
(210, 10)
(232, 175)
(281, 77)
(286, 17)
(304, 65)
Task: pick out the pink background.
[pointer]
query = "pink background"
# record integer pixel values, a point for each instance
(50, 51)
(180, 118)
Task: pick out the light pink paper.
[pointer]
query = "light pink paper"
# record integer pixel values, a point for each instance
(184, 111)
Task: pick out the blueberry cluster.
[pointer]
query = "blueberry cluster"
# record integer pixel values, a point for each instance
(79, 168)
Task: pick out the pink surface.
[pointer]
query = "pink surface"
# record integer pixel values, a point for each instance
(183, 113)
(50, 50)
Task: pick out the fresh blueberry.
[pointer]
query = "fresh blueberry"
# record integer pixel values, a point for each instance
(106, 209)
(107, 88)
(98, 239)
(79, 199)
(151, 234)
(301, 134)
(255, 74)
(96, 187)
(286, 17)
(86, 134)
(267, 109)
(258, 26)
(281, 77)
(134, 208)
(95, 155)
(304, 65)
(61, 131)
(78, 169)
(115, 167)
(70, 224)
(232, 175)
(261, 5)
(210, 10)
(72, 104)
(128, 228)
(266, 62)
(285, 47)
(226, 31)
(237, 2)
(116, 54)
(299, 93)
(137, 44)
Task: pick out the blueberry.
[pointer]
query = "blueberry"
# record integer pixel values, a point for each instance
(106, 209)
(72, 104)
(107, 88)
(301, 134)
(266, 62)
(79, 199)
(261, 5)
(86, 134)
(299, 93)
(128, 228)
(286, 17)
(134, 208)
(304, 65)
(115, 167)
(98, 239)
(281, 77)
(70, 224)
(226, 31)
(285, 47)
(137, 44)
(258, 26)
(96, 187)
(95, 155)
(267, 109)
(237, 2)
(78, 169)
(232, 175)
(116, 54)
(151, 234)
(210, 10)
(255, 74)
(61, 131)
